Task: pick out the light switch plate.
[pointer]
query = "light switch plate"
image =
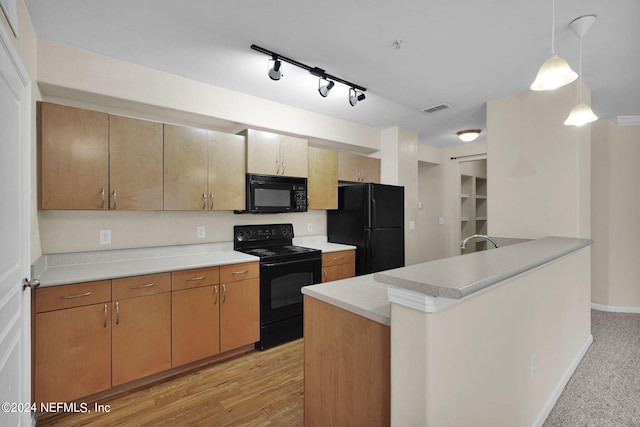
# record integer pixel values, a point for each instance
(201, 232)
(309, 227)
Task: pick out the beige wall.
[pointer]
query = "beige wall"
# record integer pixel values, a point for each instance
(538, 169)
(615, 207)
(470, 364)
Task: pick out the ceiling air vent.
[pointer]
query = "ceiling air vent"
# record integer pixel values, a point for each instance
(436, 108)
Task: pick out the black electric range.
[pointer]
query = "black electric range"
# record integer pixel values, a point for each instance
(284, 269)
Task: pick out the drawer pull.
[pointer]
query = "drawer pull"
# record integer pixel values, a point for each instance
(86, 294)
(117, 312)
(216, 300)
(338, 258)
(195, 279)
(105, 315)
(224, 293)
(148, 285)
(240, 272)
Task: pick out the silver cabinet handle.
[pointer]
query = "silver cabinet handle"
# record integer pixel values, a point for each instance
(224, 293)
(211, 203)
(115, 203)
(117, 313)
(148, 285)
(282, 168)
(195, 279)
(216, 300)
(240, 272)
(102, 193)
(324, 271)
(86, 294)
(338, 258)
(277, 167)
(105, 315)
(204, 200)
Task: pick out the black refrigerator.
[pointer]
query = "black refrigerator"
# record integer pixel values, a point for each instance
(370, 217)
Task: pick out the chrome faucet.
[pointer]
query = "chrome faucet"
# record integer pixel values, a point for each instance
(477, 236)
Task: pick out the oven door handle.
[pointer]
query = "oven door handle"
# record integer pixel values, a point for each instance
(278, 264)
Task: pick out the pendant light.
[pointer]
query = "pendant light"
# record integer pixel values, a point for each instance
(555, 72)
(581, 114)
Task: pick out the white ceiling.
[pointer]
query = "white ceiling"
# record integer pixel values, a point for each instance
(462, 53)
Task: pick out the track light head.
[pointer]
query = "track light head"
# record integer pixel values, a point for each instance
(274, 72)
(324, 90)
(355, 96)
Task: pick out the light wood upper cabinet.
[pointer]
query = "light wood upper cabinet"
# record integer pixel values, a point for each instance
(74, 157)
(226, 171)
(322, 184)
(203, 170)
(136, 164)
(273, 154)
(355, 168)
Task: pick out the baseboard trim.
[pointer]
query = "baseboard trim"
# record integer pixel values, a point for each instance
(557, 391)
(614, 309)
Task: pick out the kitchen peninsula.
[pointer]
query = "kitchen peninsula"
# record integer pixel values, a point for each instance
(488, 338)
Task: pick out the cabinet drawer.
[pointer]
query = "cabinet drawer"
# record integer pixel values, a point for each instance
(129, 287)
(233, 272)
(197, 277)
(336, 258)
(76, 295)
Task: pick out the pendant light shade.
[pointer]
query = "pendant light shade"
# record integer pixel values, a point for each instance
(554, 73)
(580, 115)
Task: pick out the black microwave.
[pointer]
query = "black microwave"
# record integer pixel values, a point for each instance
(275, 194)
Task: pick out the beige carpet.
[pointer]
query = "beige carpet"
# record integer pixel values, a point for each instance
(605, 388)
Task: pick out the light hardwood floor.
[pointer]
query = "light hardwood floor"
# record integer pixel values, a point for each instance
(262, 388)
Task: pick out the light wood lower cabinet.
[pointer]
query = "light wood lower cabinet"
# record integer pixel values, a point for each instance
(338, 265)
(72, 341)
(240, 306)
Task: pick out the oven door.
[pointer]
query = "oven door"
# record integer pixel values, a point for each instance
(281, 284)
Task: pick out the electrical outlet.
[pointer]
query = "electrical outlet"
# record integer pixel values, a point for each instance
(105, 237)
(441, 220)
(309, 227)
(412, 225)
(419, 205)
(201, 232)
(533, 364)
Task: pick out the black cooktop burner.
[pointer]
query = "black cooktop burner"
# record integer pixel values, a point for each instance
(270, 242)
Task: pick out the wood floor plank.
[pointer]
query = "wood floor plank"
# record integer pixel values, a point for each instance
(262, 388)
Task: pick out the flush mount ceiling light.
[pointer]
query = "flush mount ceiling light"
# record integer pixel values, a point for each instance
(355, 96)
(555, 72)
(274, 72)
(581, 114)
(324, 89)
(468, 135)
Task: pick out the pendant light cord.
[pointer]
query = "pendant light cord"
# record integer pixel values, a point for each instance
(580, 71)
(553, 26)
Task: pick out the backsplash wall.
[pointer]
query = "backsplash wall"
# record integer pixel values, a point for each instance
(78, 231)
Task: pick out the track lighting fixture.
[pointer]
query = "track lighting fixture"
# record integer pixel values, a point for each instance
(324, 89)
(355, 96)
(274, 72)
(325, 83)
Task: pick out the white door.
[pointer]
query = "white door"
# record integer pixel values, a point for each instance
(15, 191)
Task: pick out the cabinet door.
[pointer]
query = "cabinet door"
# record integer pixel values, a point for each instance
(74, 158)
(350, 167)
(263, 152)
(185, 168)
(239, 314)
(338, 272)
(371, 170)
(141, 337)
(226, 171)
(293, 156)
(136, 164)
(323, 178)
(195, 327)
(72, 353)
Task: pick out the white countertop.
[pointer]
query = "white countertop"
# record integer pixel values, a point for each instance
(66, 268)
(459, 276)
(360, 295)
